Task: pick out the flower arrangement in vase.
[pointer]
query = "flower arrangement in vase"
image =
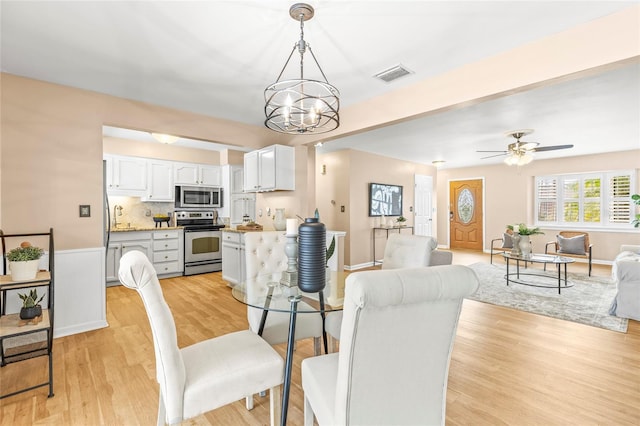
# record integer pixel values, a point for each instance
(524, 232)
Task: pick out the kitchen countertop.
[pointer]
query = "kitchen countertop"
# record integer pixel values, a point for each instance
(242, 231)
(145, 228)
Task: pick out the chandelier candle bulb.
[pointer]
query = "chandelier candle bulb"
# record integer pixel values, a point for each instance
(292, 226)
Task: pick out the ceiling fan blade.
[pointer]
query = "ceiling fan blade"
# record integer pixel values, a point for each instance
(491, 156)
(551, 148)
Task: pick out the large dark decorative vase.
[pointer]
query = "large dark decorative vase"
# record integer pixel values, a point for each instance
(312, 240)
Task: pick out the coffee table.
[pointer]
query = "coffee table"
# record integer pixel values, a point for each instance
(545, 259)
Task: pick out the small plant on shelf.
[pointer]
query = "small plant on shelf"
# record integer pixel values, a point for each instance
(24, 253)
(30, 304)
(525, 230)
(401, 220)
(23, 261)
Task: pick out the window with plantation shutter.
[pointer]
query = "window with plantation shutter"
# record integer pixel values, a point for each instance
(547, 199)
(584, 200)
(620, 198)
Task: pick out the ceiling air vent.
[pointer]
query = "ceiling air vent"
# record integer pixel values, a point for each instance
(393, 73)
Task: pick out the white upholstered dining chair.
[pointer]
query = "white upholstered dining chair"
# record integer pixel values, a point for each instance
(264, 254)
(397, 334)
(208, 374)
(401, 251)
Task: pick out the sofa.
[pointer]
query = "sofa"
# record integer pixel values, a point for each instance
(626, 273)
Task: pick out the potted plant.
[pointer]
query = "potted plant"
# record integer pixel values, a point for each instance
(24, 261)
(30, 305)
(522, 239)
(636, 200)
(329, 253)
(525, 230)
(401, 220)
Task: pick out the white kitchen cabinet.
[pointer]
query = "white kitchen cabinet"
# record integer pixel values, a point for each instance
(233, 262)
(163, 248)
(168, 251)
(197, 174)
(242, 204)
(126, 175)
(237, 179)
(270, 169)
(159, 181)
(121, 243)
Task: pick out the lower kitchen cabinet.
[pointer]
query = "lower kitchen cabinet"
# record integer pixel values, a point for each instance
(163, 248)
(233, 263)
(168, 252)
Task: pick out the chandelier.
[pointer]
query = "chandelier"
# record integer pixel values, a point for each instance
(301, 105)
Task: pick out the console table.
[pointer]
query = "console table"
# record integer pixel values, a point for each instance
(387, 229)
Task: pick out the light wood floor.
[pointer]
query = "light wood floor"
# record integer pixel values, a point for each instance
(507, 367)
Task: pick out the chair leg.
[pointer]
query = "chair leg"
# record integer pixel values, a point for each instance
(162, 414)
(249, 402)
(317, 346)
(275, 405)
(308, 413)
(333, 344)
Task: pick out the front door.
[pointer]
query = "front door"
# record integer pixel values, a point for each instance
(465, 214)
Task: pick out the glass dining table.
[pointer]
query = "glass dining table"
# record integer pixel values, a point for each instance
(269, 293)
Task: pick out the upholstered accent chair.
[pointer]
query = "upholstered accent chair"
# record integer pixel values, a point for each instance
(571, 244)
(503, 244)
(264, 254)
(626, 273)
(397, 334)
(208, 374)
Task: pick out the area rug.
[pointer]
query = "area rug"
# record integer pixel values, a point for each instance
(587, 302)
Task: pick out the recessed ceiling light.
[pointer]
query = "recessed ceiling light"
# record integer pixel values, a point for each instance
(438, 163)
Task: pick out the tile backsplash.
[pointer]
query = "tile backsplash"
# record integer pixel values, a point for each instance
(137, 213)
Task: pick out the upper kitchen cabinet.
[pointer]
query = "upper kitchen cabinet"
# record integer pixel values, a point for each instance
(270, 169)
(159, 181)
(197, 174)
(126, 175)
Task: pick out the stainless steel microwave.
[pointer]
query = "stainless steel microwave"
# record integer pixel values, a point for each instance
(192, 197)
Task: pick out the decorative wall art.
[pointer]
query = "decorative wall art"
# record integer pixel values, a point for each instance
(385, 200)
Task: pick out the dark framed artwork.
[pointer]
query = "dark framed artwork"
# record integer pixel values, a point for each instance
(385, 200)
(85, 210)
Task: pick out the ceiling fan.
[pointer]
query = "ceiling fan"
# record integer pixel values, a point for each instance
(519, 153)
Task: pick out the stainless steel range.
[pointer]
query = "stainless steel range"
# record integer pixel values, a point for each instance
(202, 241)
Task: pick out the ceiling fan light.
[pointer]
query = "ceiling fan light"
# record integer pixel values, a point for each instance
(525, 159)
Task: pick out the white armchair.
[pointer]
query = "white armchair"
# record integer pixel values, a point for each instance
(397, 335)
(626, 273)
(208, 374)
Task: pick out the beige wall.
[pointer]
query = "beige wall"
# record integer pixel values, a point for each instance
(346, 182)
(160, 151)
(51, 153)
(509, 193)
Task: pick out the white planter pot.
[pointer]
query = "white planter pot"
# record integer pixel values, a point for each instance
(23, 271)
(525, 245)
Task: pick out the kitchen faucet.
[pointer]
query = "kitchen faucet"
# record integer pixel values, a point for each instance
(115, 217)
